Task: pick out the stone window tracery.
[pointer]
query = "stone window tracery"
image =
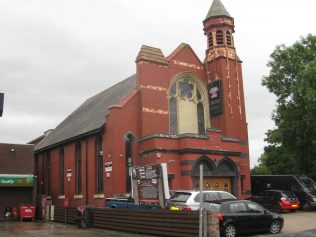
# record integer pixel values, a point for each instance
(187, 106)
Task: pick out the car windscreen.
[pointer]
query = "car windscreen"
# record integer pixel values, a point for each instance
(208, 196)
(211, 206)
(226, 196)
(288, 194)
(308, 183)
(180, 197)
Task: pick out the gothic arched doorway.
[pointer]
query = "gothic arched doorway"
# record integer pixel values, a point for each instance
(222, 176)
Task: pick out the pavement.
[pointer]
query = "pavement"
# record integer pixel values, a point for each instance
(297, 224)
(54, 229)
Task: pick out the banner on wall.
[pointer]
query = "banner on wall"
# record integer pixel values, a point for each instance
(215, 97)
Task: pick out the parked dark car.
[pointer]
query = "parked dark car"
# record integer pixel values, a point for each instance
(303, 187)
(278, 200)
(244, 216)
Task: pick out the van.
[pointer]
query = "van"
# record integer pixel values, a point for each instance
(303, 186)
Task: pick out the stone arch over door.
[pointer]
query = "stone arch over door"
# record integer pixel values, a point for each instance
(227, 168)
(209, 169)
(220, 176)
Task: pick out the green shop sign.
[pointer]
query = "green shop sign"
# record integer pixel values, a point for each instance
(17, 181)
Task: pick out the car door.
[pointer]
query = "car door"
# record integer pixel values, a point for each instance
(259, 219)
(238, 214)
(269, 200)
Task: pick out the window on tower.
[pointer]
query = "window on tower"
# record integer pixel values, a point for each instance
(188, 105)
(210, 40)
(228, 38)
(219, 37)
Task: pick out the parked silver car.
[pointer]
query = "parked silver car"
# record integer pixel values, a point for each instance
(189, 200)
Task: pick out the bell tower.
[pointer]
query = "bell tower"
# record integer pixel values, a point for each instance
(223, 66)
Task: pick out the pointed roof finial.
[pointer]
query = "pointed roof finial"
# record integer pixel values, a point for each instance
(217, 9)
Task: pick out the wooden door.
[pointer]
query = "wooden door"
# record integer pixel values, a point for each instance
(216, 183)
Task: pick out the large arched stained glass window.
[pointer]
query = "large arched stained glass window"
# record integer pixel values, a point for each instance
(188, 105)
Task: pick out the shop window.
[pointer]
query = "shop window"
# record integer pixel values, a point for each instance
(219, 37)
(99, 162)
(78, 169)
(188, 106)
(228, 38)
(61, 172)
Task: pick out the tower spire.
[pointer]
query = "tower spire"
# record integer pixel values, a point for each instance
(217, 9)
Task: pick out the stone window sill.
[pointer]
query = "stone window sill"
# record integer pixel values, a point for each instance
(98, 196)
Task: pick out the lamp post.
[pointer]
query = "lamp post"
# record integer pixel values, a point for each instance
(201, 202)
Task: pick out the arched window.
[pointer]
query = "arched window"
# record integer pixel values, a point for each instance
(201, 120)
(99, 164)
(173, 115)
(78, 169)
(210, 40)
(188, 105)
(61, 172)
(229, 38)
(129, 140)
(219, 37)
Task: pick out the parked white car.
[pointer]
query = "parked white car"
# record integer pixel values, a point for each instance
(189, 200)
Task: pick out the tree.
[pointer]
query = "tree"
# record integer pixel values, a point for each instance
(292, 79)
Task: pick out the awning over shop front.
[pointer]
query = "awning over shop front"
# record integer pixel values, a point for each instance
(16, 180)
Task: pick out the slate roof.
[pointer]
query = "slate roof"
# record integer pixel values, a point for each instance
(217, 9)
(90, 117)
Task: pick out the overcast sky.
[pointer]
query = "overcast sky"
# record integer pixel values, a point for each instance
(55, 54)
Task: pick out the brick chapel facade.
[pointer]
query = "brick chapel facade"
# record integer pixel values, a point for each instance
(176, 109)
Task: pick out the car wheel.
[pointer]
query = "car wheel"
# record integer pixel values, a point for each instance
(230, 231)
(275, 227)
(306, 206)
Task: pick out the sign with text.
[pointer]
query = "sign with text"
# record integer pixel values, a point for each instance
(17, 181)
(108, 166)
(215, 97)
(148, 183)
(69, 174)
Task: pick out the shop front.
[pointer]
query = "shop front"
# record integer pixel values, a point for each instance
(15, 190)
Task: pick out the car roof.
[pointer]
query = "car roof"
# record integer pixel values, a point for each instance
(229, 201)
(278, 190)
(197, 191)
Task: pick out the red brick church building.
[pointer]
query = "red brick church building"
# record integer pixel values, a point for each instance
(176, 109)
